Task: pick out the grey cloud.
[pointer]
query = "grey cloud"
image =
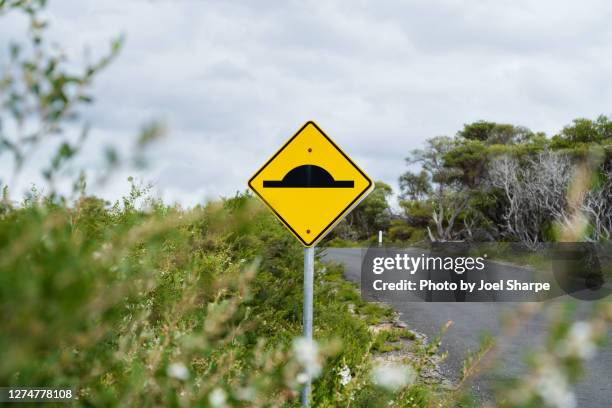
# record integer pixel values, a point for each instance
(234, 80)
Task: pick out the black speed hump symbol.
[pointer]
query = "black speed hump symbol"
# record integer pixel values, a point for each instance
(308, 176)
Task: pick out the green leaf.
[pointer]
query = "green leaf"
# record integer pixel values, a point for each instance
(111, 156)
(15, 49)
(86, 98)
(150, 133)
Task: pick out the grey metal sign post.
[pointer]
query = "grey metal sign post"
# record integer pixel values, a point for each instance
(310, 168)
(308, 301)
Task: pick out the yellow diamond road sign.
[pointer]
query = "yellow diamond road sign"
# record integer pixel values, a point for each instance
(310, 184)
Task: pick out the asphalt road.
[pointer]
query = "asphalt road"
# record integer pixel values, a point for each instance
(471, 320)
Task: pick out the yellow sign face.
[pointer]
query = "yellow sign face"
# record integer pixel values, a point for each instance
(310, 184)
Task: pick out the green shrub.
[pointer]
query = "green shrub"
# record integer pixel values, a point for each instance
(168, 307)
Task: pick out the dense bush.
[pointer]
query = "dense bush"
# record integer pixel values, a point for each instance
(161, 306)
(165, 307)
(471, 185)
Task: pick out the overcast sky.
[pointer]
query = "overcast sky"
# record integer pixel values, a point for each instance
(234, 80)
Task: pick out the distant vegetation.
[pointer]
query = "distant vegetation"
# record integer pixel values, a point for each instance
(499, 182)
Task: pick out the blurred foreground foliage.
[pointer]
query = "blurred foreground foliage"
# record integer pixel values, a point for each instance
(164, 307)
(143, 304)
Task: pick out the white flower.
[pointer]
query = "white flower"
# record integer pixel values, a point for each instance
(579, 342)
(306, 352)
(552, 386)
(345, 375)
(104, 251)
(218, 398)
(302, 378)
(246, 394)
(393, 376)
(178, 371)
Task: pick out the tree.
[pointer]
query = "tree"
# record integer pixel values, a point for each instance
(458, 167)
(597, 205)
(534, 192)
(584, 131)
(495, 133)
(371, 215)
(417, 212)
(468, 159)
(414, 186)
(499, 180)
(450, 195)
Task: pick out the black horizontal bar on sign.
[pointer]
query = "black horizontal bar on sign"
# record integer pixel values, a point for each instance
(283, 184)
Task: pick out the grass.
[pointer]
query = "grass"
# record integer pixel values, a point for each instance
(384, 340)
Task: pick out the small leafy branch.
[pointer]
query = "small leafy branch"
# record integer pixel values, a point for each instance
(39, 94)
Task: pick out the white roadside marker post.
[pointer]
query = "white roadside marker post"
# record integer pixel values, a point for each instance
(379, 238)
(307, 312)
